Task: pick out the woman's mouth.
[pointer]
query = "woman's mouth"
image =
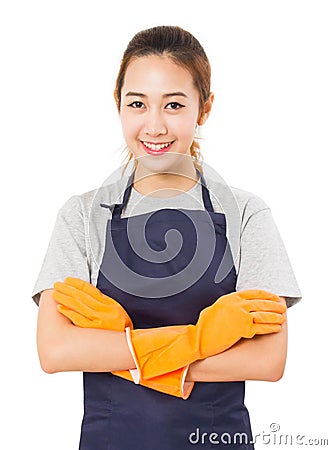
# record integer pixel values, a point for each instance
(156, 149)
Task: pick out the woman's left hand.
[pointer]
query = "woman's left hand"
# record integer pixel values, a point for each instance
(87, 307)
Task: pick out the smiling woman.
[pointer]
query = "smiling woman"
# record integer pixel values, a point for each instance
(169, 79)
(167, 305)
(159, 114)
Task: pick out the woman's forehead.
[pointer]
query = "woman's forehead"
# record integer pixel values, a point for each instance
(157, 74)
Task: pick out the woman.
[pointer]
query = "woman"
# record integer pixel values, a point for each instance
(166, 297)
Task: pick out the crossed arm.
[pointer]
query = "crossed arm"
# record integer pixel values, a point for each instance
(63, 347)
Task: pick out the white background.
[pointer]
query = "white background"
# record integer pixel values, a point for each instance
(269, 133)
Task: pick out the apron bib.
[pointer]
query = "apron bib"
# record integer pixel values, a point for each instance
(164, 267)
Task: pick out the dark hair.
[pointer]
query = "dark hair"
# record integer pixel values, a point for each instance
(180, 46)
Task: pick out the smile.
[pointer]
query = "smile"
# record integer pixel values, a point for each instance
(157, 149)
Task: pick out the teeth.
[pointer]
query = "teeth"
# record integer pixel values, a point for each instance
(156, 147)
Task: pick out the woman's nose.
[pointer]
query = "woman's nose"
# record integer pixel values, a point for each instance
(154, 124)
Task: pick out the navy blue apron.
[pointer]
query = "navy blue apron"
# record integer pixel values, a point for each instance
(145, 268)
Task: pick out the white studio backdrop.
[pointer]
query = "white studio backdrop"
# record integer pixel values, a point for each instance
(269, 133)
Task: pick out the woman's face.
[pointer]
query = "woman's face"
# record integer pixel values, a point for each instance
(159, 112)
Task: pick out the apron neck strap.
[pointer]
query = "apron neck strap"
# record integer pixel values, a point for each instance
(205, 194)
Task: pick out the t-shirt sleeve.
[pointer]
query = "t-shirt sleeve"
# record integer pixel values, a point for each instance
(66, 254)
(264, 262)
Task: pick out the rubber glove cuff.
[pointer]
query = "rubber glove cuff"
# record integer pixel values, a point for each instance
(182, 388)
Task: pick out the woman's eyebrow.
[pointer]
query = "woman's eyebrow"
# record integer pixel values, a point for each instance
(175, 94)
(171, 94)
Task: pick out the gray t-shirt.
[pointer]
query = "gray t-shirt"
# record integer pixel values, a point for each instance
(260, 258)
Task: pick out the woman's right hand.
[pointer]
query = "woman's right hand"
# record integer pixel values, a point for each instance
(241, 314)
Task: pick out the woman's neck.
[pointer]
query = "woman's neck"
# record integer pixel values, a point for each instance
(164, 184)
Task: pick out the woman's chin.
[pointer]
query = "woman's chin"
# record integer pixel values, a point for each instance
(167, 162)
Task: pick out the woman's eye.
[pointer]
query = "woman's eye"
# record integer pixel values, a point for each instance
(136, 105)
(174, 105)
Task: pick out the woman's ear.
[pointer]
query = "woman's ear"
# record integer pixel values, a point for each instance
(207, 109)
(117, 100)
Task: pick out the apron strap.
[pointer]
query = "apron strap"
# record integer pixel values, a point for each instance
(205, 193)
(117, 211)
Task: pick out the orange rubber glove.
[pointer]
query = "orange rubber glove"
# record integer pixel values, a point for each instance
(157, 351)
(87, 307)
